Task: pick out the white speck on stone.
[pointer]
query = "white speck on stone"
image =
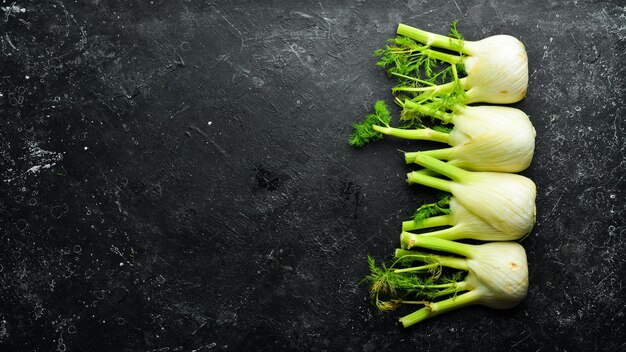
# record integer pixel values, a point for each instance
(13, 9)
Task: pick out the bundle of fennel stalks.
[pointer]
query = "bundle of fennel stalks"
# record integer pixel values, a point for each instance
(439, 81)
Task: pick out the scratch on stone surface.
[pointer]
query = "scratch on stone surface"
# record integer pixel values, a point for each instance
(554, 207)
(67, 18)
(44, 158)
(35, 169)
(83, 38)
(26, 23)
(611, 26)
(303, 151)
(574, 39)
(336, 56)
(557, 186)
(238, 31)
(546, 48)
(321, 6)
(618, 312)
(305, 15)
(180, 60)
(183, 109)
(292, 48)
(321, 245)
(354, 80)
(458, 8)
(520, 341)
(312, 33)
(617, 183)
(118, 200)
(603, 279)
(219, 149)
(6, 35)
(232, 229)
(422, 14)
(156, 255)
(117, 251)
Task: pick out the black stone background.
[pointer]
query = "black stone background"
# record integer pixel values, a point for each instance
(174, 176)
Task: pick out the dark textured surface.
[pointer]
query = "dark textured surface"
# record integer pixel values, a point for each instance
(174, 176)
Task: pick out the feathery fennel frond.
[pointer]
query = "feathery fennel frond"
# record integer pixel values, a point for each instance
(457, 45)
(440, 207)
(364, 131)
(391, 287)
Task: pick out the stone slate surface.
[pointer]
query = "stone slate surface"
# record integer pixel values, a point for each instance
(174, 176)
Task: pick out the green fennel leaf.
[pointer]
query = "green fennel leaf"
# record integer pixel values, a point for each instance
(389, 289)
(440, 207)
(364, 132)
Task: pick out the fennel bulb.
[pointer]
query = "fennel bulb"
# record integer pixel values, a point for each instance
(503, 200)
(484, 138)
(497, 277)
(461, 224)
(497, 66)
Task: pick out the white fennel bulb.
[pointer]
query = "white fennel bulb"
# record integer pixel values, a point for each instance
(500, 272)
(504, 201)
(496, 277)
(496, 66)
(461, 224)
(486, 138)
(497, 70)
